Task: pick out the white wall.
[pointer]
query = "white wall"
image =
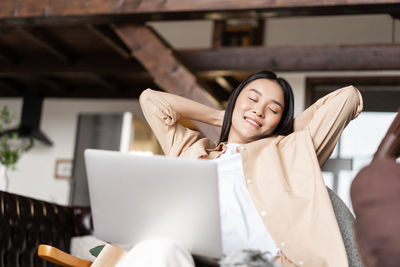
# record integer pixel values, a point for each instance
(328, 30)
(187, 34)
(34, 175)
(396, 30)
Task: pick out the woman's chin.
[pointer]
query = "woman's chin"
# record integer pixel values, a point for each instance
(250, 138)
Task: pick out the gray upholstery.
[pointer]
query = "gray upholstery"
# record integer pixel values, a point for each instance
(345, 220)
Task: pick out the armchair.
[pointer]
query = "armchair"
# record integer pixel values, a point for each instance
(26, 222)
(343, 215)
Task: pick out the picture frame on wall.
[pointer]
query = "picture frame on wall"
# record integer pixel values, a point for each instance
(63, 169)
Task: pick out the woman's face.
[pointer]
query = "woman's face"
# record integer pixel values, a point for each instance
(258, 111)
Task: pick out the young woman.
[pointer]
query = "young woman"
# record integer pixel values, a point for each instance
(272, 195)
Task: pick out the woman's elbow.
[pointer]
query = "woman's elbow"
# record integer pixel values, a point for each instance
(353, 99)
(144, 95)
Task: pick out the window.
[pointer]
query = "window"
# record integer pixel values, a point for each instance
(238, 32)
(363, 135)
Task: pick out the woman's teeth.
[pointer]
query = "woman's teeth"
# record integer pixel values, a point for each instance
(252, 122)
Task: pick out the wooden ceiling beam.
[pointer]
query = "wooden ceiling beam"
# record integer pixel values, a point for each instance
(310, 58)
(105, 83)
(4, 57)
(79, 91)
(13, 85)
(54, 84)
(47, 42)
(97, 64)
(108, 36)
(168, 72)
(7, 55)
(8, 89)
(247, 59)
(76, 8)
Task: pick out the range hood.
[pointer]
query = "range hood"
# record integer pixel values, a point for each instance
(30, 120)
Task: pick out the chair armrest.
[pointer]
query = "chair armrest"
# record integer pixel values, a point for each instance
(59, 257)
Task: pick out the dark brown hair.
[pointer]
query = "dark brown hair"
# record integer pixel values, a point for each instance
(284, 127)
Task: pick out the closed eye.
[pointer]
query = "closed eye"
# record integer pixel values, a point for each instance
(273, 111)
(252, 99)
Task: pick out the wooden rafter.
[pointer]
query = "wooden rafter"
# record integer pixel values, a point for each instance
(54, 84)
(168, 72)
(310, 58)
(32, 82)
(90, 64)
(105, 83)
(12, 84)
(107, 35)
(7, 55)
(8, 89)
(48, 43)
(36, 8)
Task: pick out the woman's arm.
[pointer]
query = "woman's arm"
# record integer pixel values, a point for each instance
(193, 110)
(327, 118)
(163, 110)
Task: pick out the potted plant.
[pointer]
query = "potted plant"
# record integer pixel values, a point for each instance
(11, 147)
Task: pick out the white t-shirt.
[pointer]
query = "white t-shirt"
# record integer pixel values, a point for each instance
(241, 225)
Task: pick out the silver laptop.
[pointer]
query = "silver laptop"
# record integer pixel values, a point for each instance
(134, 198)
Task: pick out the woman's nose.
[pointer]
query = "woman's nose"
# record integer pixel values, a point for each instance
(258, 111)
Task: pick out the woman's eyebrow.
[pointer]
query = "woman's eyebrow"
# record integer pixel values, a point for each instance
(276, 102)
(256, 91)
(259, 93)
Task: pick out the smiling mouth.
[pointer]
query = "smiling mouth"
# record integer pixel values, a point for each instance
(252, 122)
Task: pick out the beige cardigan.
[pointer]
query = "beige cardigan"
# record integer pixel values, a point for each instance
(282, 173)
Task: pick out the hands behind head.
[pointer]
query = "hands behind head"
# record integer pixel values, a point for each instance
(220, 121)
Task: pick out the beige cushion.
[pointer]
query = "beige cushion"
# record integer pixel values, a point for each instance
(80, 246)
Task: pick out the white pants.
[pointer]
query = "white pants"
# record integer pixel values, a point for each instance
(157, 253)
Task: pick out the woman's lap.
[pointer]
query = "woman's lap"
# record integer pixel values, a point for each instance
(170, 253)
(157, 252)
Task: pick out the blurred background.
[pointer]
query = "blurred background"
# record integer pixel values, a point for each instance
(74, 72)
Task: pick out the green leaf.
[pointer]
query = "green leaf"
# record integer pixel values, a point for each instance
(11, 157)
(96, 250)
(5, 115)
(11, 147)
(14, 136)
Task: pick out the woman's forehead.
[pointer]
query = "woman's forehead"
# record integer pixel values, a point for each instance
(264, 87)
